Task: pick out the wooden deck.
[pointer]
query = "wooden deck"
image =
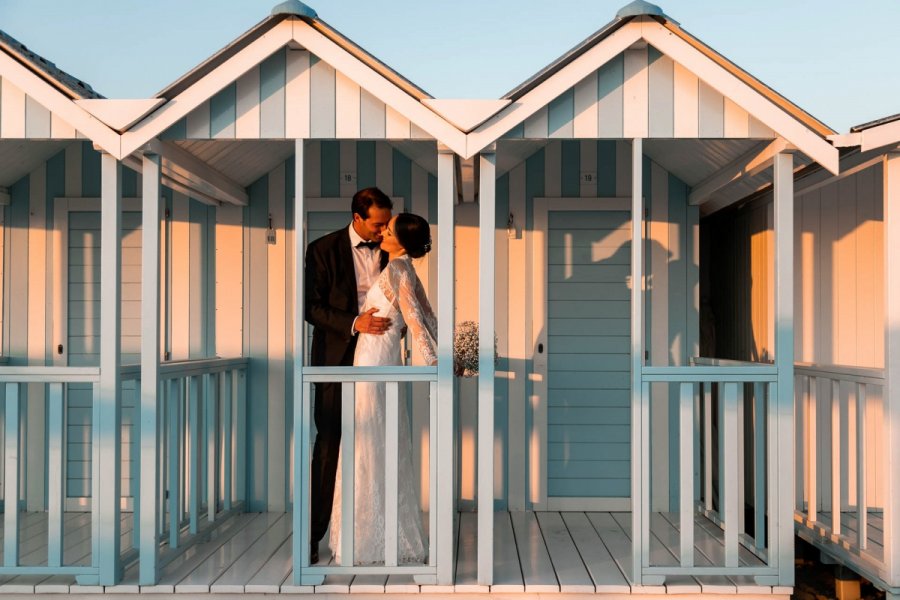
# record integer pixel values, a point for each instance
(846, 548)
(543, 552)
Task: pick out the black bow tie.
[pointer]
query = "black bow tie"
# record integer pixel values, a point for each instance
(369, 245)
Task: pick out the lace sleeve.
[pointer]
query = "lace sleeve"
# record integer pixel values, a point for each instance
(417, 312)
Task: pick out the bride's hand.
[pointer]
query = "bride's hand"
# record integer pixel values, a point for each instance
(369, 323)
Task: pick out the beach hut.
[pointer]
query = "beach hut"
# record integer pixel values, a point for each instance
(608, 450)
(845, 342)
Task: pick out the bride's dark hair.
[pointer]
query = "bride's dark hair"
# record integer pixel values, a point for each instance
(413, 233)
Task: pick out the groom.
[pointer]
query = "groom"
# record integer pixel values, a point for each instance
(340, 269)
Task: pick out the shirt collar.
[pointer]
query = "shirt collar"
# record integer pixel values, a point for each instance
(355, 238)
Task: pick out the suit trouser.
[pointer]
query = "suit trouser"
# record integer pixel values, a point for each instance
(327, 416)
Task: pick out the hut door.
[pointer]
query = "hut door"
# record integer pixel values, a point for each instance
(76, 330)
(581, 373)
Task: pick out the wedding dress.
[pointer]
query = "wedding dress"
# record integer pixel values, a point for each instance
(397, 294)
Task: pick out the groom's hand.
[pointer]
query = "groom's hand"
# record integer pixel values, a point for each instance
(369, 323)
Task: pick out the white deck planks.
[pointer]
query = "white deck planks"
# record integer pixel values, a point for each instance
(544, 552)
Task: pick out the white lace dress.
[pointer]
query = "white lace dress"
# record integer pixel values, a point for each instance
(398, 294)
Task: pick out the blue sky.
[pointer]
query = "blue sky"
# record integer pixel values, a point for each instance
(834, 58)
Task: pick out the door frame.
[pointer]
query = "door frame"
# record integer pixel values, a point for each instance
(538, 438)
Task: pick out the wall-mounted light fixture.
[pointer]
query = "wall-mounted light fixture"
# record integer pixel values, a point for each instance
(511, 227)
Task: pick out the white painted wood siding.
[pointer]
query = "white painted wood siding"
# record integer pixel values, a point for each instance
(642, 93)
(293, 94)
(23, 117)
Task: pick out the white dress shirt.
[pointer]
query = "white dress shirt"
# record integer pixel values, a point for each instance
(367, 265)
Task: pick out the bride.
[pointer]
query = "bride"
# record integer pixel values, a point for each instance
(398, 295)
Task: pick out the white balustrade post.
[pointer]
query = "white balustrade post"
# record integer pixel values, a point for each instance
(444, 503)
(781, 515)
(486, 242)
(109, 469)
(892, 363)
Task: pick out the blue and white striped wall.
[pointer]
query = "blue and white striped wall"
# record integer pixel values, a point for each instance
(672, 314)
(293, 94)
(23, 117)
(31, 293)
(641, 93)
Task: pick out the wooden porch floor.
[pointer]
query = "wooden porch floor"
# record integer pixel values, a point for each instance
(543, 552)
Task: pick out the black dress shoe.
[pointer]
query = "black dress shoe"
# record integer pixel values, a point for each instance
(313, 552)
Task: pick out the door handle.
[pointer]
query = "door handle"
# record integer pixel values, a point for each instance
(59, 349)
(540, 348)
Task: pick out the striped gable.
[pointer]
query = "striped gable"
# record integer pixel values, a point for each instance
(294, 94)
(24, 117)
(641, 92)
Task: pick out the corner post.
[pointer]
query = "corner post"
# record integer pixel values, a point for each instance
(486, 242)
(640, 411)
(146, 502)
(892, 361)
(444, 502)
(106, 507)
(781, 545)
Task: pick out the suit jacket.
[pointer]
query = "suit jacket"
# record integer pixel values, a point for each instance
(331, 301)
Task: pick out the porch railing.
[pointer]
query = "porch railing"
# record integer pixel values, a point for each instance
(13, 384)
(394, 379)
(840, 468)
(200, 437)
(715, 403)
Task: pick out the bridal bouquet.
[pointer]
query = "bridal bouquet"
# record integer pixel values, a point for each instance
(465, 349)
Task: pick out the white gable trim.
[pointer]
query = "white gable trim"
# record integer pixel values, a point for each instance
(807, 141)
(205, 88)
(543, 94)
(380, 87)
(58, 104)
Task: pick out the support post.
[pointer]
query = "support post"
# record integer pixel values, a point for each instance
(640, 498)
(109, 469)
(892, 362)
(486, 242)
(444, 503)
(781, 546)
(147, 495)
(302, 412)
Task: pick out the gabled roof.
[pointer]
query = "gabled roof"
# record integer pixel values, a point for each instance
(642, 22)
(55, 90)
(293, 22)
(69, 85)
(879, 133)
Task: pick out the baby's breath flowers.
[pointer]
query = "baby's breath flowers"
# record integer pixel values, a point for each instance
(465, 349)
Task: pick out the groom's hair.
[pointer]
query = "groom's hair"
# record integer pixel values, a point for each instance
(365, 198)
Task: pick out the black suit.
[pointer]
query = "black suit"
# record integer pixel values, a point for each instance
(331, 306)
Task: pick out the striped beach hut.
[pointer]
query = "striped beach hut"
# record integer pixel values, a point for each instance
(614, 447)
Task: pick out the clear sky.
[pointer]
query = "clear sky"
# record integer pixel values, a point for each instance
(835, 58)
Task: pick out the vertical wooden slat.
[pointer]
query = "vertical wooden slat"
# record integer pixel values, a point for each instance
(707, 447)
(391, 481)
(444, 497)
(109, 468)
(95, 476)
(211, 412)
(729, 497)
(55, 474)
(861, 500)
(741, 459)
(836, 457)
(432, 472)
(639, 396)
(240, 468)
(194, 453)
(891, 394)
(812, 478)
(302, 391)
(11, 477)
(162, 451)
(486, 384)
(686, 481)
(173, 398)
(348, 477)
(781, 512)
(225, 391)
(635, 89)
(759, 464)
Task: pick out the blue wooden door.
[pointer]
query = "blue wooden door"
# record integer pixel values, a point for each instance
(582, 351)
